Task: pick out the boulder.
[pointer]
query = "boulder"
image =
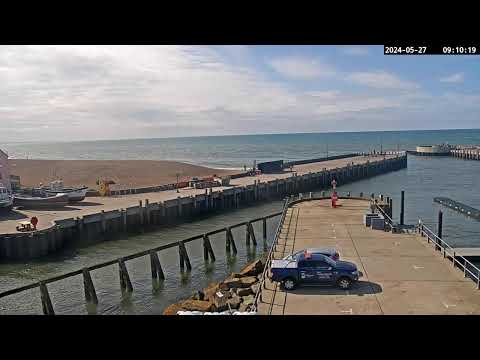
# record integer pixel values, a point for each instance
(255, 288)
(253, 268)
(197, 305)
(173, 309)
(244, 291)
(237, 275)
(210, 291)
(220, 299)
(248, 300)
(234, 302)
(248, 281)
(231, 283)
(198, 295)
(243, 307)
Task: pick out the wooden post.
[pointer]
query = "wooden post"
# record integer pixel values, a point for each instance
(231, 241)
(140, 212)
(252, 233)
(402, 208)
(125, 283)
(440, 229)
(184, 256)
(147, 211)
(390, 207)
(227, 242)
(208, 248)
(80, 227)
(104, 222)
(46, 301)
(124, 219)
(265, 228)
(157, 271)
(90, 293)
(179, 206)
(247, 235)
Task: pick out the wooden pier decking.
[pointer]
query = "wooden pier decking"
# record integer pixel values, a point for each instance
(402, 273)
(94, 205)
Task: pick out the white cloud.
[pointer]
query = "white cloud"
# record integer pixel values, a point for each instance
(302, 68)
(356, 50)
(381, 80)
(454, 78)
(91, 92)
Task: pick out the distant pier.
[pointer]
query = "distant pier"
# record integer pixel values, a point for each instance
(471, 152)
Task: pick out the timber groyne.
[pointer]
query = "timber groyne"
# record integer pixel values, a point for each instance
(102, 221)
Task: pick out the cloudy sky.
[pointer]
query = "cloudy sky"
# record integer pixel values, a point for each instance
(109, 92)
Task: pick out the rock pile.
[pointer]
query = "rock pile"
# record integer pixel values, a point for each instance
(236, 292)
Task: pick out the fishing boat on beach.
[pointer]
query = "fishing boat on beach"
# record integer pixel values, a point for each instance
(30, 202)
(6, 200)
(74, 194)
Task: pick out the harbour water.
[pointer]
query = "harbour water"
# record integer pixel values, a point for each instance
(424, 179)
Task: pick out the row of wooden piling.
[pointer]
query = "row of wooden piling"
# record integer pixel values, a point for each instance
(155, 265)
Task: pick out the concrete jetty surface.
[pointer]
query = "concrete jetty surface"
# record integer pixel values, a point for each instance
(94, 205)
(402, 274)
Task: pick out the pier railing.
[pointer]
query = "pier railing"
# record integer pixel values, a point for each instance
(157, 271)
(268, 261)
(447, 251)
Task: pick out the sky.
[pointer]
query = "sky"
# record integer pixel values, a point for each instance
(66, 93)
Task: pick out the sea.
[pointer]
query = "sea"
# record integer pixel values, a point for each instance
(423, 179)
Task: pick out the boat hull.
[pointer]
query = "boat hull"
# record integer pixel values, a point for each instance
(59, 200)
(74, 195)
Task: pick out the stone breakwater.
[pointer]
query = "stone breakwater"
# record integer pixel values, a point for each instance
(236, 292)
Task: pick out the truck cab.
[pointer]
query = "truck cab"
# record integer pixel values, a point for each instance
(313, 269)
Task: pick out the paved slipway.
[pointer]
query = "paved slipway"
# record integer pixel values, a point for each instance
(402, 273)
(92, 205)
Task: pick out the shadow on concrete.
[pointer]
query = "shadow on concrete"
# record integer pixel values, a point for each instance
(360, 288)
(11, 215)
(86, 203)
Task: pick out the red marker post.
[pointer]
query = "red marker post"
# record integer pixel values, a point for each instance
(34, 222)
(334, 199)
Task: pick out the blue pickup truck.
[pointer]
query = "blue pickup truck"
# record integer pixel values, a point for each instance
(308, 268)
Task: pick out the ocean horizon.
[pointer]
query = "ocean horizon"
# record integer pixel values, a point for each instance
(237, 151)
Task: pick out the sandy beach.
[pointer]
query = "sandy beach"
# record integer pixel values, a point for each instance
(125, 173)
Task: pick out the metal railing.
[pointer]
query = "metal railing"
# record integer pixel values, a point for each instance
(448, 251)
(387, 218)
(268, 260)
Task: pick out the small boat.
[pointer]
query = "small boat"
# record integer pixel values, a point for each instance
(59, 200)
(6, 200)
(74, 194)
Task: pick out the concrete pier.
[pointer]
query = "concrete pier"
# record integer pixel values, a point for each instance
(102, 218)
(402, 273)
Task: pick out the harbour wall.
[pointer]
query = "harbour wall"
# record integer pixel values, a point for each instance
(146, 216)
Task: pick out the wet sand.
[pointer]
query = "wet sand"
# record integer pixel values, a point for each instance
(125, 173)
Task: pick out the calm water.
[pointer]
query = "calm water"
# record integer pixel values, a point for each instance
(424, 179)
(236, 151)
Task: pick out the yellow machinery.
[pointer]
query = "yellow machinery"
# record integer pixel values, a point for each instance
(104, 187)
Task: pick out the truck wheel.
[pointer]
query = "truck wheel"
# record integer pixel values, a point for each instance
(289, 284)
(344, 283)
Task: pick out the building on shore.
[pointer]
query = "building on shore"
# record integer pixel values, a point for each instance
(433, 150)
(4, 170)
